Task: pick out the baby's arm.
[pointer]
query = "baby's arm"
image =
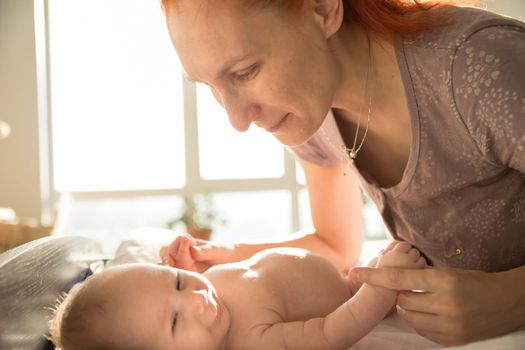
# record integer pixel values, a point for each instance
(348, 323)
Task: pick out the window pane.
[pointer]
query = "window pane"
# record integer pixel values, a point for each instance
(116, 97)
(374, 226)
(253, 215)
(109, 221)
(228, 154)
(299, 174)
(305, 216)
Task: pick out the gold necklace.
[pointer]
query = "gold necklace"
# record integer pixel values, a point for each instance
(352, 152)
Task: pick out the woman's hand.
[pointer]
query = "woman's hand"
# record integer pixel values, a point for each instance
(452, 306)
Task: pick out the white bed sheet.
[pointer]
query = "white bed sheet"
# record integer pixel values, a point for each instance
(391, 334)
(394, 334)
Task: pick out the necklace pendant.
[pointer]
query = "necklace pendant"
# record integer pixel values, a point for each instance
(352, 154)
(349, 163)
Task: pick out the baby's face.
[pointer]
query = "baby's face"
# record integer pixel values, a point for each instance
(161, 307)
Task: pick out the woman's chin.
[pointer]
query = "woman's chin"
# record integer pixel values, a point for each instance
(292, 139)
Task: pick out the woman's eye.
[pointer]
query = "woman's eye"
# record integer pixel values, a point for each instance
(247, 74)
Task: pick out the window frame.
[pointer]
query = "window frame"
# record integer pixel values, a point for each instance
(194, 182)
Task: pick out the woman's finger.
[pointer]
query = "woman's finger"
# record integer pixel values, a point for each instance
(437, 337)
(214, 254)
(417, 301)
(420, 320)
(396, 278)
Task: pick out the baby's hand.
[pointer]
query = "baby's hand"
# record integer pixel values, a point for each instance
(401, 254)
(178, 253)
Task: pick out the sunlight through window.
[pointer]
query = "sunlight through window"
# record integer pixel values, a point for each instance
(116, 97)
(227, 153)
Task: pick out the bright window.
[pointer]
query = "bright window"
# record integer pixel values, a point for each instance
(228, 154)
(116, 97)
(130, 138)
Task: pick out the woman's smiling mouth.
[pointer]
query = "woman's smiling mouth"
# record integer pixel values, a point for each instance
(277, 126)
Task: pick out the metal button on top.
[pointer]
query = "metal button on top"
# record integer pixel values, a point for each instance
(453, 251)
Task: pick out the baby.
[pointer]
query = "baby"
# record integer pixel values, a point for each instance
(283, 298)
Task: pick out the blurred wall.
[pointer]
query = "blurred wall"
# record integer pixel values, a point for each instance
(19, 154)
(512, 8)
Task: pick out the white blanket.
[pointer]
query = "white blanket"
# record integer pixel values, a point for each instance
(394, 334)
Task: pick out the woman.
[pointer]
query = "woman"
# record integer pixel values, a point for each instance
(424, 106)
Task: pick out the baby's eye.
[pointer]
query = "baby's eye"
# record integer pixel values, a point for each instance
(178, 282)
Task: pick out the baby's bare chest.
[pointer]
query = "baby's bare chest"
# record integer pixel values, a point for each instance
(286, 288)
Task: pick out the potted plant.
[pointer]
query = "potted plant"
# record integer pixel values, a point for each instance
(199, 216)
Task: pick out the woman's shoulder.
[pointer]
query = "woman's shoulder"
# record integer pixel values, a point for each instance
(463, 22)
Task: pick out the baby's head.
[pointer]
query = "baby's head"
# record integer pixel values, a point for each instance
(141, 306)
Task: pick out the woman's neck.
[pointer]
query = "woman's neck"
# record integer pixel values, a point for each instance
(362, 55)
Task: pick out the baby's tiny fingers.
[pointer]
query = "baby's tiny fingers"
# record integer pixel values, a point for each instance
(390, 246)
(421, 263)
(403, 247)
(184, 248)
(192, 239)
(414, 254)
(163, 252)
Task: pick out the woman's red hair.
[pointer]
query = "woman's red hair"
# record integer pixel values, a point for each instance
(384, 17)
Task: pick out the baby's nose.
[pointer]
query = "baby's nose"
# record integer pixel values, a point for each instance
(199, 299)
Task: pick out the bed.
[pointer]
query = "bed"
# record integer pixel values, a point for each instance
(33, 276)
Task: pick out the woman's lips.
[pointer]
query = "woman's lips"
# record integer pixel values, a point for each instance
(277, 126)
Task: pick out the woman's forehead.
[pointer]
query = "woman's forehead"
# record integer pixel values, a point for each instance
(215, 23)
(208, 40)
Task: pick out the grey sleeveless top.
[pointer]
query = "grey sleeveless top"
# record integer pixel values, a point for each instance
(461, 200)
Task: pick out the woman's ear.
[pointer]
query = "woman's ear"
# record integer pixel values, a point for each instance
(329, 14)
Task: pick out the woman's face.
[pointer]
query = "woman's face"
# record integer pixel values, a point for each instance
(263, 66)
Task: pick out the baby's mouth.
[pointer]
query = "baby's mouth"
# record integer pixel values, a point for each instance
(213, 303)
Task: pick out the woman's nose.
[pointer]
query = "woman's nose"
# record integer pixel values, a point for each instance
(241, 113)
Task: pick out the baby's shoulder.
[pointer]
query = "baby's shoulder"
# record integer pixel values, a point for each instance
(282, 253)
(291, 264)
(288, 258)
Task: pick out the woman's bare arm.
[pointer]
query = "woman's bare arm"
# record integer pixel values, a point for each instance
(336, 207)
